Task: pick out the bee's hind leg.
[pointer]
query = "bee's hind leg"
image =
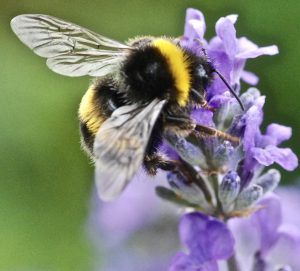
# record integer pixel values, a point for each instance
(155, 161)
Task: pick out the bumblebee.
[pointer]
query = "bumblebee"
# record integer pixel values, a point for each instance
(144, 89)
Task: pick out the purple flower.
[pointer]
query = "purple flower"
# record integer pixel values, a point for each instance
(261, 150)
(203, 116)
(207, 239)
(226, 51)
(290, 196)
(212, 158)
(230, 53)
(194, 30)
(268, 239)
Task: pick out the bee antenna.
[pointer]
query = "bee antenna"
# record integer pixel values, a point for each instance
(230, 88)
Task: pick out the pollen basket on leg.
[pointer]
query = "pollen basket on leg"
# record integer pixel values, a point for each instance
(88, 113)
(179, 67)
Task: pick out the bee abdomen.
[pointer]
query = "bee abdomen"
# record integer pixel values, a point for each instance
(90, 112)
(97, 104)
(87, 138)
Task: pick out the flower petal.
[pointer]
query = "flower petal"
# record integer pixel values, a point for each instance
(246, 45)
(165, 148)
(290, 196)
(272, 154)
(207, 239)
(224, 65)
(195, 24)
(219, 240)
(114, 215)
(268, 50)
(233, 18)
(249, 77)
(226, 32)
(218, 100)
(286, 252)
(194, 31)
(267, 221)
(254, 117)
(279, 133)
(203, 117)
(183, 262)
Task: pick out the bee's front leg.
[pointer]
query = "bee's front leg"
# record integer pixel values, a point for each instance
(184, 126)
(180, 125)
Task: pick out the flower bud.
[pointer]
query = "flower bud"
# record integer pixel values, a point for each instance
(248, 197)
(223, 154)
(189, 191)
(248, 98)
(229, 188)
(224, 114)
(187, 151)
(269, 181)
(237, 126)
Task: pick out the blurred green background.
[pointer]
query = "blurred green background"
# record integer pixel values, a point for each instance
(45, 179)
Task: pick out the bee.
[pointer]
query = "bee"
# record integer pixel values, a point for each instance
(144, 89)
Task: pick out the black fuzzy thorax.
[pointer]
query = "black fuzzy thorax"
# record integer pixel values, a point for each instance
(146, 75)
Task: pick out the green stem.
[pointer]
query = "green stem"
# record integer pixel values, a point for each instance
(215, 184)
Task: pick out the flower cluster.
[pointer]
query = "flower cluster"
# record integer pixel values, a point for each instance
(229, 211)
(230, 177)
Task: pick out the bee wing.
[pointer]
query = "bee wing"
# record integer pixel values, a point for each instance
(70, 49)
(120, 146)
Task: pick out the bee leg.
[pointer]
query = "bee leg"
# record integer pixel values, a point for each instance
(199, 100)
(206, 106)
(182, 126)
(186, 127)
(155, 161)
(204, 131)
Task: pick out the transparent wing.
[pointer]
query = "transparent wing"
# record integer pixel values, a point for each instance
(120, 146)
(71, 50)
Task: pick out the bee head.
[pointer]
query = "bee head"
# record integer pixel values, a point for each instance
(202, 77)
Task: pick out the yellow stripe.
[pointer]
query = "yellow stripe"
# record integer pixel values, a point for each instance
(89, 111)
(179, 66)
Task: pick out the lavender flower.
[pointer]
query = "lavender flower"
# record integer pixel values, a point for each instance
(231, 176)
(261, 150)
(268, 240)
(228, 53)
(207, 240)
(211, 159)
